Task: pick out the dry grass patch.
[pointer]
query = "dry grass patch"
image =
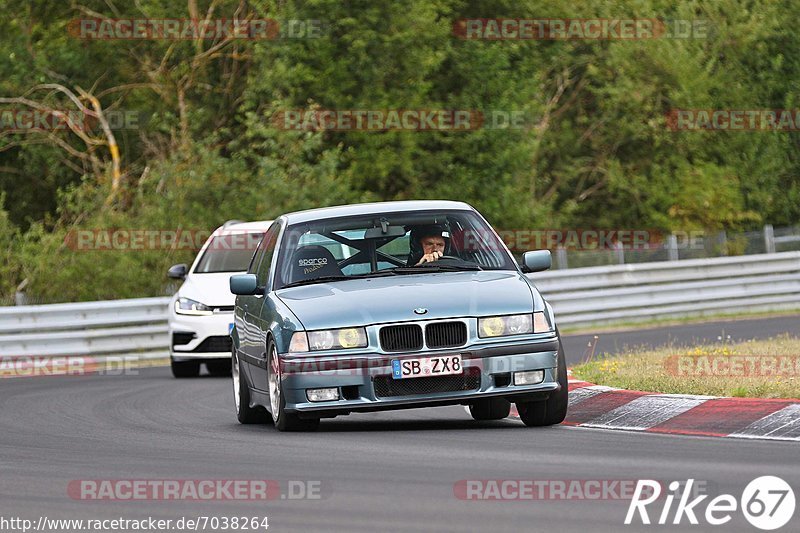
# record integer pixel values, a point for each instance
(756, 369)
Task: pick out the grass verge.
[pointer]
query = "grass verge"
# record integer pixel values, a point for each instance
(767, 368)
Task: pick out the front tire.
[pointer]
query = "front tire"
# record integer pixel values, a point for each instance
(241, 395)
(490, 409)
(553, 410)
(283, 421)
(184, 369)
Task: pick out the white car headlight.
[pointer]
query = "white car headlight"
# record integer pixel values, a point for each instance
(329, 339)
(499, 326)
(186, 306)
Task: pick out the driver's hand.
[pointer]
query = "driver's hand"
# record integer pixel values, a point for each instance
(430, 258)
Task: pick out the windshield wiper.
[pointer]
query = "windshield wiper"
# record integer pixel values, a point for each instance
(321, 279)
(419, 269)
(324, 279)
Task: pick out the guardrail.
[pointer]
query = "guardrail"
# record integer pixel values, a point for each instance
(694, 287)
(676, 246)
(580, 297)
(118, 327)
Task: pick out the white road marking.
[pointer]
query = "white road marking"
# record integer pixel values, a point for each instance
(645, 412)
(576, 396)
(780, 425)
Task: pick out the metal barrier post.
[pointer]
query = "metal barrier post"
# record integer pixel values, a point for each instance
(620, 251)
(561, 257)
(722, 243)
(672, 247)
(769, 239)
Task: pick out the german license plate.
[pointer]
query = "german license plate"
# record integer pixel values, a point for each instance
(441, 365)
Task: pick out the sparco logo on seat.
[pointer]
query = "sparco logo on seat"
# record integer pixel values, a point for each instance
(312, 262)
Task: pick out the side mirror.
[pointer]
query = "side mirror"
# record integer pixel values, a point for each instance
(177, 271)
(536, 261)
(244, 284)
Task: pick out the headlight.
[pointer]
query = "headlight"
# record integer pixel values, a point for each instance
(498, 326)
(331, 339)
(185, 306)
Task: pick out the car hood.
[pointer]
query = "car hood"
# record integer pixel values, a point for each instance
(211, 289)
(393, 299)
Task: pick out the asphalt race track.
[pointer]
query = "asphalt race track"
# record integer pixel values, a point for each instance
(396, 471)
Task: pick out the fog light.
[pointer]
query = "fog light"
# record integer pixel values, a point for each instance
(322, 395)
(528, 378)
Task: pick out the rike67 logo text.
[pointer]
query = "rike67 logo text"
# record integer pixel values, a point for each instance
(768, 503)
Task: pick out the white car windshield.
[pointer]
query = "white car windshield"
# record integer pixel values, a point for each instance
(228, 252)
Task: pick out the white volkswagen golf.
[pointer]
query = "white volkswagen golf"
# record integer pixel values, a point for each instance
(201, 312)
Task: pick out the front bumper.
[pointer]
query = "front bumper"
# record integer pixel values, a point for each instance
(355, 377)
(210, 336)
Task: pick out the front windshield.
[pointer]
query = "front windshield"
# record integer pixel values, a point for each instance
(229, 251)
(388, 244)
